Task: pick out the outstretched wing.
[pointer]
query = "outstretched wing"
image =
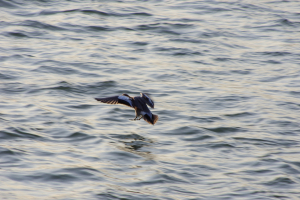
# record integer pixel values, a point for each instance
(109, 100)
(116, 100)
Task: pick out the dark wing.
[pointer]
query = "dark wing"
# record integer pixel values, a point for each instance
(125, 100)
(109, 100)
(116, 100)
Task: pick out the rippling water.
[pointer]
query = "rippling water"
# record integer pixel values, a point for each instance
(225, 77)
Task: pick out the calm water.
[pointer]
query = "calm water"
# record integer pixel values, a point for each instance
(225, 77)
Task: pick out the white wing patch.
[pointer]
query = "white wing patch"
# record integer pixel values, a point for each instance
(124, 98)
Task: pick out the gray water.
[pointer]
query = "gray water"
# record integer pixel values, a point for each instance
(224, 75)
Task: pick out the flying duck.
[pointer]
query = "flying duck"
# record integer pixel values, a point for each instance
(139, 104)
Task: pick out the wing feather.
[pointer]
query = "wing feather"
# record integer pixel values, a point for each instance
(109, 100)
(116, 100)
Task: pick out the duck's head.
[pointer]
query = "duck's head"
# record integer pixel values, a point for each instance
(149, 101)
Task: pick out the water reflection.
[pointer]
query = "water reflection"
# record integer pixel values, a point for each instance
(134, 143)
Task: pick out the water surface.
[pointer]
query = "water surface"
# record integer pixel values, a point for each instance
(224, 77)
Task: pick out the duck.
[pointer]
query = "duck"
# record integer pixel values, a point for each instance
(138, 103)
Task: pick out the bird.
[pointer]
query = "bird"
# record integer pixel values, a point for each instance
(138, 103)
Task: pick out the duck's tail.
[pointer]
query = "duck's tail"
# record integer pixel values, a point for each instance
(149, 120)
(155, 118)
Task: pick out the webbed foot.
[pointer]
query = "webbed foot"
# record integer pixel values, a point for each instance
(133, 119)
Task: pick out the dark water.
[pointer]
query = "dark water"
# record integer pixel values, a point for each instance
(225, 76)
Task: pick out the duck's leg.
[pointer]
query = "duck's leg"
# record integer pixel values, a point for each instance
(134, 119)
(137, 114)
(140, 117)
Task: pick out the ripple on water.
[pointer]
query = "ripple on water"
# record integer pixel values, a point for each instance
(114, 14)
(198, 138)
(40, 25)
(280, 182)
(240, 114)
(226, 129)
(10, 157)
(128, 136)
(56, 70)
(20, 34)
(17, 132)
(177, 51)
(7, 75)
(61, 176)
(79, 136)
(6, 4)
(185, 130)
